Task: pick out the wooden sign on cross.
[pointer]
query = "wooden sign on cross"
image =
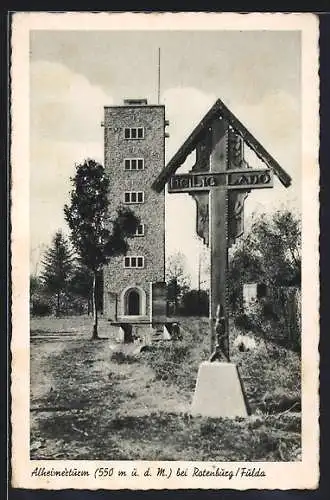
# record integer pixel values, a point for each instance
(220, 181)
(228, 179)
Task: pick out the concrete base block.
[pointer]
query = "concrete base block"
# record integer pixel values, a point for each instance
(219, 392)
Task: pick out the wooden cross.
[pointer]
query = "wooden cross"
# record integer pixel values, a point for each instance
(220, 181)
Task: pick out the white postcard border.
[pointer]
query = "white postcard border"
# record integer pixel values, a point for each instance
(278, 475)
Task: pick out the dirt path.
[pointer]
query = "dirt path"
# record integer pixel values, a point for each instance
(49, 337)
(40, 377)
(87, 404)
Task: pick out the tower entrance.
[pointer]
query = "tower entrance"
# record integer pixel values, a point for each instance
(132, 303)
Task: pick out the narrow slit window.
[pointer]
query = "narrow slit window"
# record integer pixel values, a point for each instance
(140, 230)
(140, 164)
(140, 133)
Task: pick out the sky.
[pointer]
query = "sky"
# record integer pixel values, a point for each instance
(74, 74)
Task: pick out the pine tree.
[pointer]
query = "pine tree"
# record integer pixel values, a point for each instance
(95, 237)
(81, 284)
(58, 265)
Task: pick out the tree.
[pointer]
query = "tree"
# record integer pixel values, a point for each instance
(39, 303)
(58, 265)
(81, 284)
(177, 278)
(269, 253)
(276, 239)
(94, 235)
(35, 284)
(195, 303)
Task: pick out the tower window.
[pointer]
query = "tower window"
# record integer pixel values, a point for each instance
(140, 230)
(134, 133)
(134, 163)
(134, 262)
(134, 197)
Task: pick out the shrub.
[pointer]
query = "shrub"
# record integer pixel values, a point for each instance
(40, 307)
(195, 303)
(271, 376)
(275, 317)
(243, 321)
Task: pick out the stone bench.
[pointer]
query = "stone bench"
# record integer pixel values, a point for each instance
(146, 331)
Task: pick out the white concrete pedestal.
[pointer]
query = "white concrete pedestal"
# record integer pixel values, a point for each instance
(218, 391)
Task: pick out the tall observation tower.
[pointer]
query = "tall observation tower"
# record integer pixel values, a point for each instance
(134, 155)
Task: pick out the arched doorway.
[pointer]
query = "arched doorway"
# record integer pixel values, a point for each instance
(133, 303)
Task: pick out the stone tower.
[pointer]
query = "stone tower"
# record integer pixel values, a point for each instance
(134, 155)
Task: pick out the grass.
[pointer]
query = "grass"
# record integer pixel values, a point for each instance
(90, 403)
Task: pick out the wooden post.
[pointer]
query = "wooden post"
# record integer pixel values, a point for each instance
(218, 229)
